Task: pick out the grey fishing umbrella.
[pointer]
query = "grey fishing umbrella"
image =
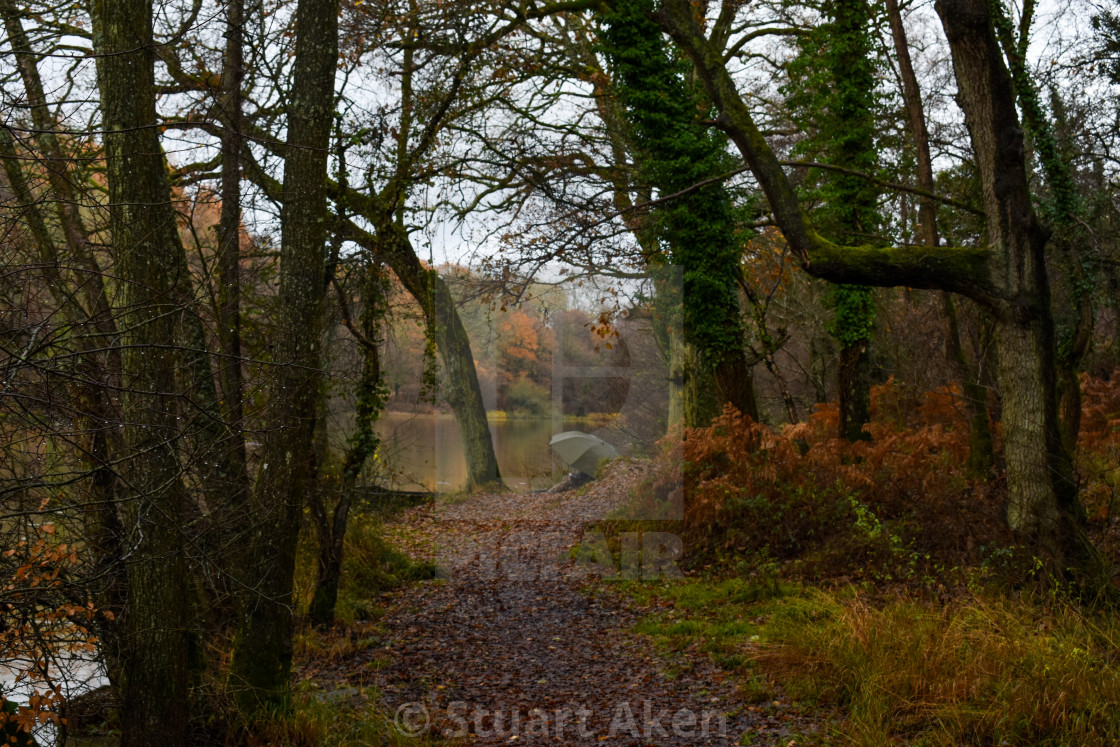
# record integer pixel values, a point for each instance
(582, 450)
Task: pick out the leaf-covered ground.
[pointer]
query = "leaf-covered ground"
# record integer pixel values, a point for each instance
(515, 642)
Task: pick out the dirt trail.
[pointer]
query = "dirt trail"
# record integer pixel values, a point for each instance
(516, 643)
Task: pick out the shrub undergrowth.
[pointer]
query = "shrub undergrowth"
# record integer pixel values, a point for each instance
(900, 507)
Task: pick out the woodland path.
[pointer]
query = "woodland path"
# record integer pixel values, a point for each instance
(515, 643)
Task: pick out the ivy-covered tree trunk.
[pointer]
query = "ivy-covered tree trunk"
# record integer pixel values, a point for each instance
(834, 94)
(676, 152)
(855, 201)
(262, 656)
(625, 195)
(676, 355)
(153, 657)
(700, 400)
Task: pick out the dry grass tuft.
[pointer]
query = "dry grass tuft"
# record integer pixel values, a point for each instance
(981, 671)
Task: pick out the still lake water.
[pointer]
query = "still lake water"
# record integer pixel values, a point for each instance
(74, 676)
(425, 452)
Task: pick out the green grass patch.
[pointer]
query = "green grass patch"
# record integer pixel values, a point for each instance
(326, 717)
(983, 669)
(351, 717)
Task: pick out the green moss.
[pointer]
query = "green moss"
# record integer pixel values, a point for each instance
(957, 268)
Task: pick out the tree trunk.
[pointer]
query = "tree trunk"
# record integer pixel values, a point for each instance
(462, 390)
(331, 533)
(261, 668)
(229, 482)
(980, 456)
(1064, 210)
(229, 264)
(701, 398)
(735, 381)
(154, 653)
(370, 401)
(392, 245)
(676, 415)
(854, 201)
(854, 383)
(1042, 505)
(673, 151)
(460, 385)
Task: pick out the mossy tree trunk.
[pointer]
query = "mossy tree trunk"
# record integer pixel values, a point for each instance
(459, 380)
(699, 395)
(153, 678)
(261, 668)
(852, 145)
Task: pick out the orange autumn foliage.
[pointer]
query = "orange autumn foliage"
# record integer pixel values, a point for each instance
(39, 627)
(1098, 458)
(799, 494)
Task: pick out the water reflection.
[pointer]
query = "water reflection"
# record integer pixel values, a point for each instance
(74, 675)
(424, 452)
